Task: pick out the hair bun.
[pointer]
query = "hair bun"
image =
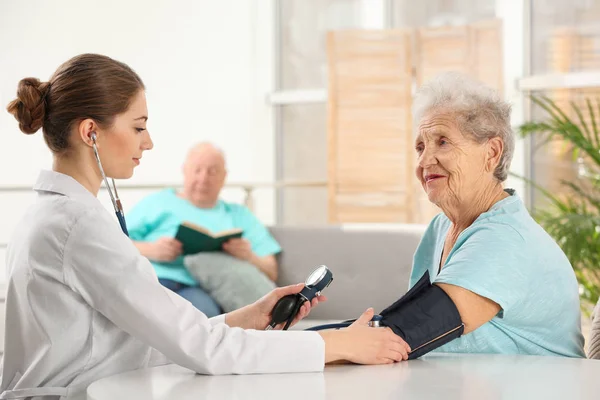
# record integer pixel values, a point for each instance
(29, 108)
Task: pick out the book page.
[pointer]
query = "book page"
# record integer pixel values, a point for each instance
(198, 228)
(229, 232)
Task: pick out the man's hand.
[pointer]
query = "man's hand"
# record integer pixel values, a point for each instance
(165, 249)
(239, 248)
(242, 249)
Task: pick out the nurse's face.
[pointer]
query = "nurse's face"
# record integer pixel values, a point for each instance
(121, 146)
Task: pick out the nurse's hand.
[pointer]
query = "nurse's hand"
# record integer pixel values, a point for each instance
(265, 305)
(362, 344)
(258, 314)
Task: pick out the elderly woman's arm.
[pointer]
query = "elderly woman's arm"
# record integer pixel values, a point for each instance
(475, 310)
(483, 280)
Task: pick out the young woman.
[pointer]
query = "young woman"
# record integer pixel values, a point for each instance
(82, 303)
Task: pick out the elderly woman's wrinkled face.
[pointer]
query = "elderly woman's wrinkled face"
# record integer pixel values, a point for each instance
(450, 165)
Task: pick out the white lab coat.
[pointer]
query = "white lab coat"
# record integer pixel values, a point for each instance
(82, 304)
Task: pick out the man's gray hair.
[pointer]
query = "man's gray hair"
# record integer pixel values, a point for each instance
(479, 111)
(206, 146)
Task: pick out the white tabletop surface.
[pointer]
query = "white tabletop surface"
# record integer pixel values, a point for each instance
(435, 376)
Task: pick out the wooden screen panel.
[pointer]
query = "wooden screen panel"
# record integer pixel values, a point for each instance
(474, 49)
(486, 55)
(441, 49)
(369, 133)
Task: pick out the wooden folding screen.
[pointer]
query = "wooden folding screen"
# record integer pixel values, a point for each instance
(370, 79)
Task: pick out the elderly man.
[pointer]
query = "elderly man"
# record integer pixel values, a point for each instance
(154, 221)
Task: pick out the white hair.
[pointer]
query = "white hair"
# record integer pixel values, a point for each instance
(479, 111)
(207, 146)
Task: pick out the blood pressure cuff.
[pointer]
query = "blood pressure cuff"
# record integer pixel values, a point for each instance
(425, 317)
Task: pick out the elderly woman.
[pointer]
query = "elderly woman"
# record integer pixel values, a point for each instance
(512, 285)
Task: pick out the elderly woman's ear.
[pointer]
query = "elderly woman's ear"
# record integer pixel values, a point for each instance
(495, 148)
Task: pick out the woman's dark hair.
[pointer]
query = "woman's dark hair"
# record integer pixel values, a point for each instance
(87, 86)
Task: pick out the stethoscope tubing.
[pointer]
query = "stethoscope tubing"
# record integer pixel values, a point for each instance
(116, 202)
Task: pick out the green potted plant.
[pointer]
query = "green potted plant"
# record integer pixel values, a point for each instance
(573, 218)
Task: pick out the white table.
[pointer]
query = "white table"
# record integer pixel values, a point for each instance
(435, 376)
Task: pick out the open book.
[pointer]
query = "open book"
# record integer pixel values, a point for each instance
(196, 238)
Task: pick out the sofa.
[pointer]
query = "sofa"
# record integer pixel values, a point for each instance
(370, 263)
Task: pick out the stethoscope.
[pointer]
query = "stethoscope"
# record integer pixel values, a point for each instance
(116, 202)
